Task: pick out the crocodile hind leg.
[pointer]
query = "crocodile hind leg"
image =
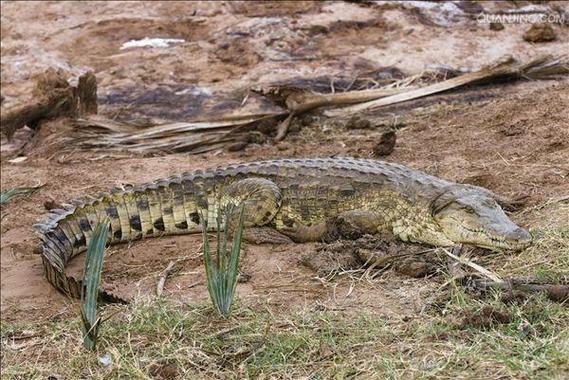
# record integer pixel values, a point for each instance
(354, 224)
(347, 225)
(261, 200)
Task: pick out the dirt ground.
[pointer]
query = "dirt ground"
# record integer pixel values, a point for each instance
(510, 138)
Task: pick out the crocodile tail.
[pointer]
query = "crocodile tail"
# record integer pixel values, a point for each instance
(164, 207)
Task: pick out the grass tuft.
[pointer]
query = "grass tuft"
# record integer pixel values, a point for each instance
(222, 273)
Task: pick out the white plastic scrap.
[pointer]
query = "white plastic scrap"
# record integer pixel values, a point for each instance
(105, 360)
(152, 42)
(196, 91)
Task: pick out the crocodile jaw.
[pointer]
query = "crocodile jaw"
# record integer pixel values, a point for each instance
(481, 224)
(516, 240)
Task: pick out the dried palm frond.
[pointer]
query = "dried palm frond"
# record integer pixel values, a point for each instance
(194, 137)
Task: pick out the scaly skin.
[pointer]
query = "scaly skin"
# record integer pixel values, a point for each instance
(291, 199)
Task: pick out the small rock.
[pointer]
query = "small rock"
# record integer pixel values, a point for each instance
(514, 297)
(496, 26)
(266, 127)
(51, 203)
(294, 127)
(526, 329)
(514, 129)
(238, 146)
(356, 122)
(324, 351)
(317, 29)
(243, 277)
(540, 33)
(105, 360)
(472, 7)
(485, 318)
(416, 266)
(309, 120)
(163, 370)
(386, 144)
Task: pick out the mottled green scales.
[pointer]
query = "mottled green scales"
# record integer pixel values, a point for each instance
(284, 201)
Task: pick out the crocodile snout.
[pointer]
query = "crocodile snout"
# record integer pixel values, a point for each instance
(519, 238)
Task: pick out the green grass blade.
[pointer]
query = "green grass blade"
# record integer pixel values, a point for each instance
(235, 251)
(91, 280)
(222, 274)
(218, 245)
(209, 268)
(6, 195)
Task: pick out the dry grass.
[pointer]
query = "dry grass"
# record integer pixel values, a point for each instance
(548, 257)
(152, 337)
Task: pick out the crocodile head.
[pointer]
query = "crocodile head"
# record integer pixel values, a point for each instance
(470, 215)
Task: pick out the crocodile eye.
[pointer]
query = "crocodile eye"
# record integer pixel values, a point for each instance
(441, 202)
(469, 209)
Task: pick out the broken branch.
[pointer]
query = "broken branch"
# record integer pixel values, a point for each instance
(555, 292)
(162, 280)
(539, 68)
(463, 260)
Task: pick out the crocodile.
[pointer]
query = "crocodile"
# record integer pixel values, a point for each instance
(285, 200)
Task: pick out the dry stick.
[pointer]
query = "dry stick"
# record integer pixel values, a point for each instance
(485, 272)
(302, 102)
(555, 292)
(413, 94)
(122, 134)
(540, 67)
(283, 127)
(162, 280)
(222, 332)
